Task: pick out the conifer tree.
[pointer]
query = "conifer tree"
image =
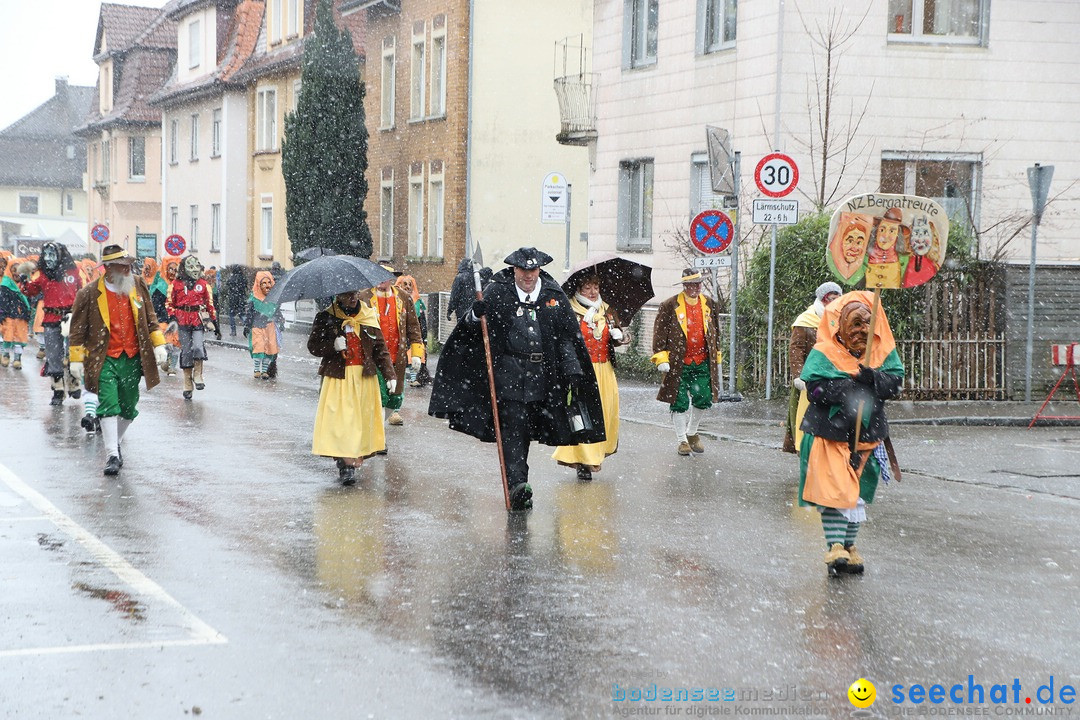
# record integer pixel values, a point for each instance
(324, 154)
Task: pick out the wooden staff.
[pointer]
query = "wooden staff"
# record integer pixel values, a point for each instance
(476, 264)
(866, 357)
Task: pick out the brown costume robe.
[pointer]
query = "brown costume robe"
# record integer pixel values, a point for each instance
(409, 336)
(669, 344)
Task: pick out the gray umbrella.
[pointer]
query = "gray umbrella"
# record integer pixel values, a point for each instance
(312, 252)
(327, 276)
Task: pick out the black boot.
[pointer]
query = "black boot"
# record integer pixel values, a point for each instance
(112, 465)
(57, 397)
(346, 474)
(521, 497)
(584, 473)
(89, 423)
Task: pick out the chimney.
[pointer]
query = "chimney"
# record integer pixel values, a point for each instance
(61, 84)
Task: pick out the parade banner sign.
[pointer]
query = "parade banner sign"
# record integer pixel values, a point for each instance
(893, 241)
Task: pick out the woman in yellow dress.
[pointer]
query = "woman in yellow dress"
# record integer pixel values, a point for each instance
(602, 332)
(348, 421)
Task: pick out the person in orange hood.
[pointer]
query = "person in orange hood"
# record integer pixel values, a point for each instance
(261, 320)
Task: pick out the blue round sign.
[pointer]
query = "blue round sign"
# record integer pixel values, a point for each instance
(99, 233)
(711, 231)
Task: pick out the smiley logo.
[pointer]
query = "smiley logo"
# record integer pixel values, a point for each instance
(862, 693)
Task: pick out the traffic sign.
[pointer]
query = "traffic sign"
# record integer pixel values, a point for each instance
(776, 175)
(175, 245)
(711, 231)
(99, 233)
(712, 261)
(553, 203)
(775, 212)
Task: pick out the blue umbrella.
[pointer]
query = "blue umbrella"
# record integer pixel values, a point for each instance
(326, 276)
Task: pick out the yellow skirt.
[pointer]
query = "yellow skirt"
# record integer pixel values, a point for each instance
(594, 453)
(348, 421)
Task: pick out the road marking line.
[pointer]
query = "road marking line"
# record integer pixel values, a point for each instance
(200, 632)
(25, 519)
(1049, 447)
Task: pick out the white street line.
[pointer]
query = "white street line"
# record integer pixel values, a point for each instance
(1055, 448)
(29, 518)
(62, 649)
(200, 632)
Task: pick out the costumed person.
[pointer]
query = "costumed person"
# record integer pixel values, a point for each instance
(159, 293)
(462, 293)
(189, 297)
(803, 337)
(841, 466)
(348, 421)
(543, 373)
(57, 283)
(602, 333)
(401, 330)
(235, 296)
(14, 315)
(407, 284)
(686, 349)
(115, 341)
(260, 325)
(883, 259)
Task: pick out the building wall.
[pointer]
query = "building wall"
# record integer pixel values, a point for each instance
(207, 39)
(515, 118)
(412, 148)
(1057, 295)
(1006, 104)
(51, 202)
(125, 205)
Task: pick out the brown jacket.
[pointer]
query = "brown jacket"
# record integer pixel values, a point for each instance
(89, 335)
(669, 344)
(802, 342)
(409, 337)
(326, 328)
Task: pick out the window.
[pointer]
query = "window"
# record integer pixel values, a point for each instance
(438, 75)
(174, 220)
(296, 87)
(386, 215)
(266, 227)
(137, 158)
(959, 21)
(174, 141)
(717, 25)
(274, 22)
(435, 217)
(418, 85)
(215, 134)
(29, 203)
(215, 227)
(193, 239)
(640, 25)
(294, 18)
(70, 202)
(387, 90)
(266, 120)
(951, 180)
(195, 137)
(635, 205)
(106, 164)
(194, 44)
(702, 196)
(416, 216)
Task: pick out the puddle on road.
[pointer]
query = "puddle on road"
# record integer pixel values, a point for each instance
(122, 601)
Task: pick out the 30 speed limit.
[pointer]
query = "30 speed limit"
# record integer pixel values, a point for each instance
(776, 175)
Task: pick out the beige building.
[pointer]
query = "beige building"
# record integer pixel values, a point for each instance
(135, 49)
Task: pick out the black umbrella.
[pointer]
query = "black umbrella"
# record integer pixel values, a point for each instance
(624, 284)
(327, 276)
(313, 252)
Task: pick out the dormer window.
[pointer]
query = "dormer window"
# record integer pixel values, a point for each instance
(194, 44)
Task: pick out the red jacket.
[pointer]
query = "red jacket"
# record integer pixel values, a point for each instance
(184, 303)
(58, 295)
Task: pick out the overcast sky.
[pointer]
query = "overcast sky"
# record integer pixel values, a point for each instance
(41, 40)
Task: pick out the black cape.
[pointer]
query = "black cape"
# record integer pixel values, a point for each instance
(461, 393)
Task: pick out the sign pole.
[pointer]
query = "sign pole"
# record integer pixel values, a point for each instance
(568, 188)
(1039, 180)
(772, 304)
(734, 284)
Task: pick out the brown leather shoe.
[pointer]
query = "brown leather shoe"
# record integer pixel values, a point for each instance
(855, 561)
(695, 443)
(837, 558)
(395, 419)
(684, 448)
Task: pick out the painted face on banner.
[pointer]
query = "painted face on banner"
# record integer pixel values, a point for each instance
(192, 267)
(922, 239)
(887, 233)
(853, 244)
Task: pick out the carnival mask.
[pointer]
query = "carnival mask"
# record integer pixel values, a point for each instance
(854, 327)
(887, 233)
(192, 267)
(50, 257)
(921, 237)
(266, 284)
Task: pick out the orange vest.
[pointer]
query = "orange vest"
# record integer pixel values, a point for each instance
(388, 321)
(354, 351)
(695, 335)
(122, 337)
(598, 349)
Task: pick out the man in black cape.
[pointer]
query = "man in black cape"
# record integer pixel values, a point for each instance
(543, 374)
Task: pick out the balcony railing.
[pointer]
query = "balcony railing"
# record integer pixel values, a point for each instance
(577, 108)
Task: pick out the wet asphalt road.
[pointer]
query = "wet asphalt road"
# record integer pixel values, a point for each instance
(225, 574)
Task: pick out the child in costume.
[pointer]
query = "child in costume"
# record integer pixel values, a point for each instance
(416, 377)
(14, 316)
(261, 320)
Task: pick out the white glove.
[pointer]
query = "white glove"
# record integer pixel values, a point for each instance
(416, 362)
(161, 357)
(799, 383)
(663, 367)
(340, 343)
(616, 334)
(391, 386)
(77, 371)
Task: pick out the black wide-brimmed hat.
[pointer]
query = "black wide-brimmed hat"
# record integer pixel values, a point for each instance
(528, 258)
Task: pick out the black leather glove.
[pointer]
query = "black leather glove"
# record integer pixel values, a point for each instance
(479, 307)
(246, 331)
(865, 376)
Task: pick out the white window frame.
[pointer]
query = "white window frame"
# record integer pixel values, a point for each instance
(194, 43)
(215, 227)
(36, 197)
(275, 22)
(911, 161)
(636, 183)
(194, 137)
(714, 19)
(193, 238)
(417, 85)
(436, 215)
(106, 161)
(215, 133)
(174, 219)
(416, 215)
(702, 196)
(636, 30)
(292, 28)
(266, 225)
(174, 141)
(387, 82)
(386, 217)
(134, 140)
(266, 120)
(917, 34)
(438, 73)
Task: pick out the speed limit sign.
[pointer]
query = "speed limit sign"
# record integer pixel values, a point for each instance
(776, 175)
